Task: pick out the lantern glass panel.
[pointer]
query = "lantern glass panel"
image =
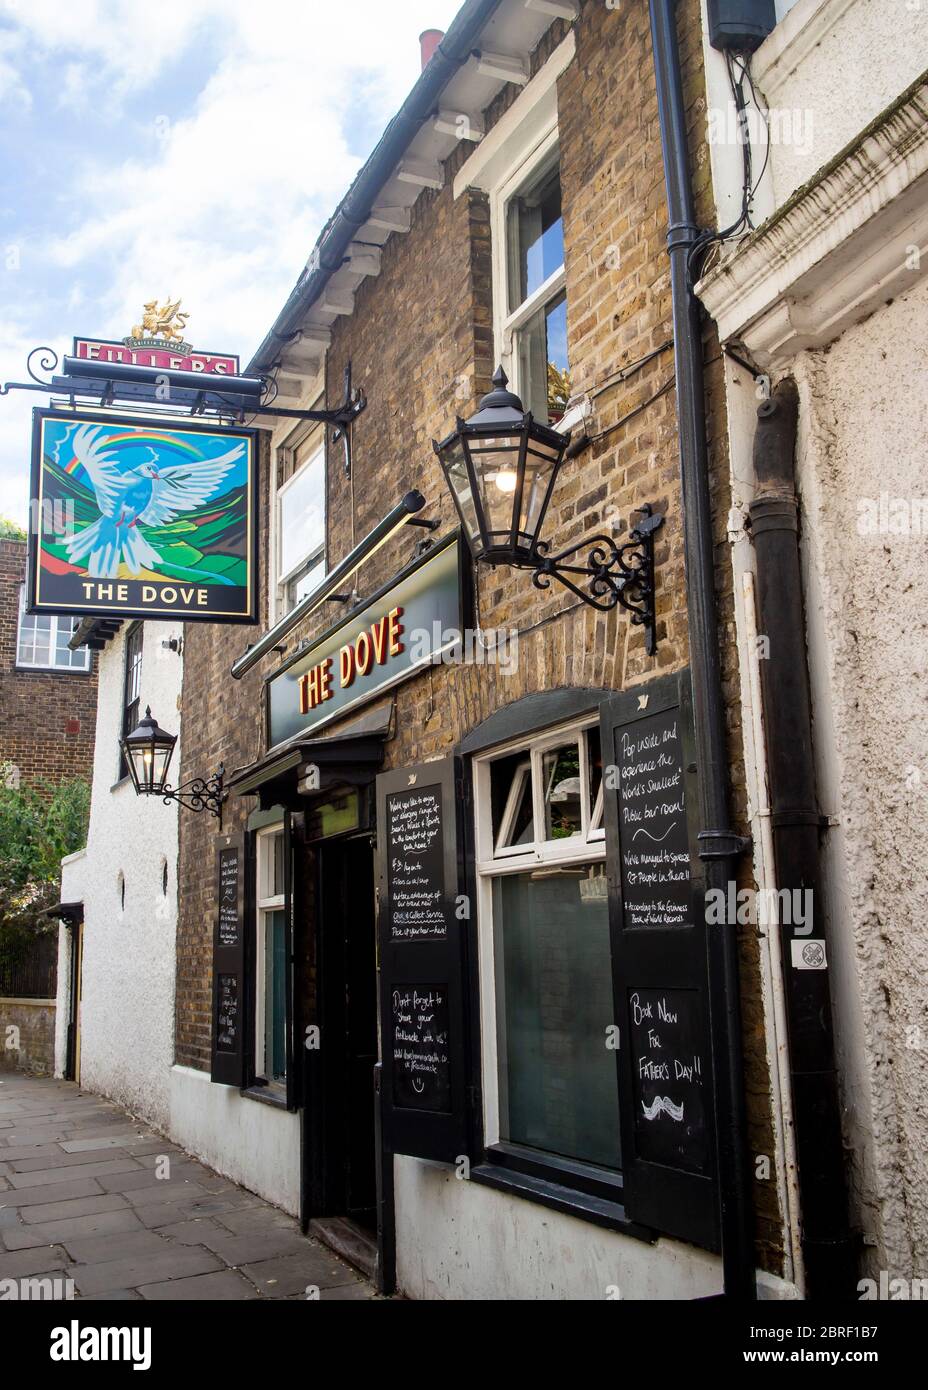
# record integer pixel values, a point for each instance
(459, 482)
(496, 463)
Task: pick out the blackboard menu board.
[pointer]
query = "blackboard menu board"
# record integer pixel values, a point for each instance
(655, 856)
(227, 1014)
(668, 1071)
(421, 1060)
(230, 898)
(230, 920)
(416, 865)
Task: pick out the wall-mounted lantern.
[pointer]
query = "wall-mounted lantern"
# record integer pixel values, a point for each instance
(501, 466)
(148, 751)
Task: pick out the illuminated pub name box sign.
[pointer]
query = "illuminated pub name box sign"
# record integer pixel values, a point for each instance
(139, 519)
(416, 620)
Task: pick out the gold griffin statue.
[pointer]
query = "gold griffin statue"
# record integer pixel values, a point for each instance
(164, 322)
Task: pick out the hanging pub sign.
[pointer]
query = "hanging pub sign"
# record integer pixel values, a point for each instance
(135, 518)
(415, 620)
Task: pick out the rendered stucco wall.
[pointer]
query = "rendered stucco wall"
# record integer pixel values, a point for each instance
(127, 998)
(864, 410)
(838, 64)
(457, 1240)
(252, 1143)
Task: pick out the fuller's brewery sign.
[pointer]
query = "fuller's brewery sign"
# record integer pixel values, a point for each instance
(157, 341)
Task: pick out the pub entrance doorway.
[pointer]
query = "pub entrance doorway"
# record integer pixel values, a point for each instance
(339, 1133)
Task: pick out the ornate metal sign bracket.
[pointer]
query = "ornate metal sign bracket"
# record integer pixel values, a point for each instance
(614, 574)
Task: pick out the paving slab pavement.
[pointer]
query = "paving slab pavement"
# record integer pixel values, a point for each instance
(82, 1205)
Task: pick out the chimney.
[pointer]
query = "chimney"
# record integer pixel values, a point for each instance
(429, 40)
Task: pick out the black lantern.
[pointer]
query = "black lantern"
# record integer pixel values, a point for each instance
(148, 751)
(501, 466)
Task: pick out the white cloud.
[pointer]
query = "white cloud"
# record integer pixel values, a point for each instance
(222, 198)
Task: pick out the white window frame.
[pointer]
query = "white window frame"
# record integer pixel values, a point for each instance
(492, 863)
(265, 903)
(54, 620)
(315, 433)
(506, 323)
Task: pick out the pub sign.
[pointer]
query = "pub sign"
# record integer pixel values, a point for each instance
(135, 518)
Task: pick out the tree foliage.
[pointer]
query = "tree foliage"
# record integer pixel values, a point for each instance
(10, 531)
(39, 825)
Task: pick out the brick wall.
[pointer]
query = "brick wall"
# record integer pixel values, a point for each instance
(47, 718)
(422, 328)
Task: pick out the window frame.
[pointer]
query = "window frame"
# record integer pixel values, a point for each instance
(491, 863)
(265, 904)
(313, 437)
(128, 722)
(508, 323)
(55, 620)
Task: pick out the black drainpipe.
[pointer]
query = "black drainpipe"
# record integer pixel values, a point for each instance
(720, 846)
(829, 1250)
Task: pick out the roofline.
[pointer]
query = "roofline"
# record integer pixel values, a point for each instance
(355, 208)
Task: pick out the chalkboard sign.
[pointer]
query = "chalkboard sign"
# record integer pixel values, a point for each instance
(659, 950)
(423, 949)
(227, 1039)
(230, 916)
(231, 899)
(415, 864)
(421, 1061)
(670, 1070)
(656, 889)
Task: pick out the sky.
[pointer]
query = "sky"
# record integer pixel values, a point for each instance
(190, 149)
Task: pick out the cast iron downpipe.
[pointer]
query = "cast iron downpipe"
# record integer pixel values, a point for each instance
(827, 1245)
(356, 207)
(719, 844)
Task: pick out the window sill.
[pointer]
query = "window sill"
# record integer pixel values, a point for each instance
(51, 671)
(266, 1095)
(600, 1212)
(121, 782)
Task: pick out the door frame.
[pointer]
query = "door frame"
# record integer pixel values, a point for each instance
(72, 1069)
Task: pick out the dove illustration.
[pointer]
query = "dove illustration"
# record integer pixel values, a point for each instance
(145, 496)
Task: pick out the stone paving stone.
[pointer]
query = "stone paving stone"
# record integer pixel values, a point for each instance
(192, 1232)
(97, 1224)
(112, 1141)
(348, 1291)
(44, 1176)
(170, 1263)
(247, 1249)
(39, 1260)
(53, 1192)
(293, 1273)
(163, 1191)
(61, 1160)
(121, 1245)
(82, 1206)
(261, 1218)
(23, 1237)
(226, 1284)
(111, 1296)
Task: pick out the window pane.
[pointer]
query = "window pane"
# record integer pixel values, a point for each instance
(275, 865)
(305, 582)
(544, 372)
(536, 236)
(511, 797)
(594, 758)
(275, 999)
(561, 787)
(302, 514)
(558, 1080)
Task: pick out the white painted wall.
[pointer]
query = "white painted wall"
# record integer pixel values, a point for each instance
(461, 1241)
(865, 422)
(127, 1009)
(863, 419)
(247, 1140)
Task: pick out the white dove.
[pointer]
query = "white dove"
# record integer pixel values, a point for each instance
(148, 495)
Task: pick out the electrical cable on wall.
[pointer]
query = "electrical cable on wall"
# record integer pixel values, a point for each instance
(745, 221)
